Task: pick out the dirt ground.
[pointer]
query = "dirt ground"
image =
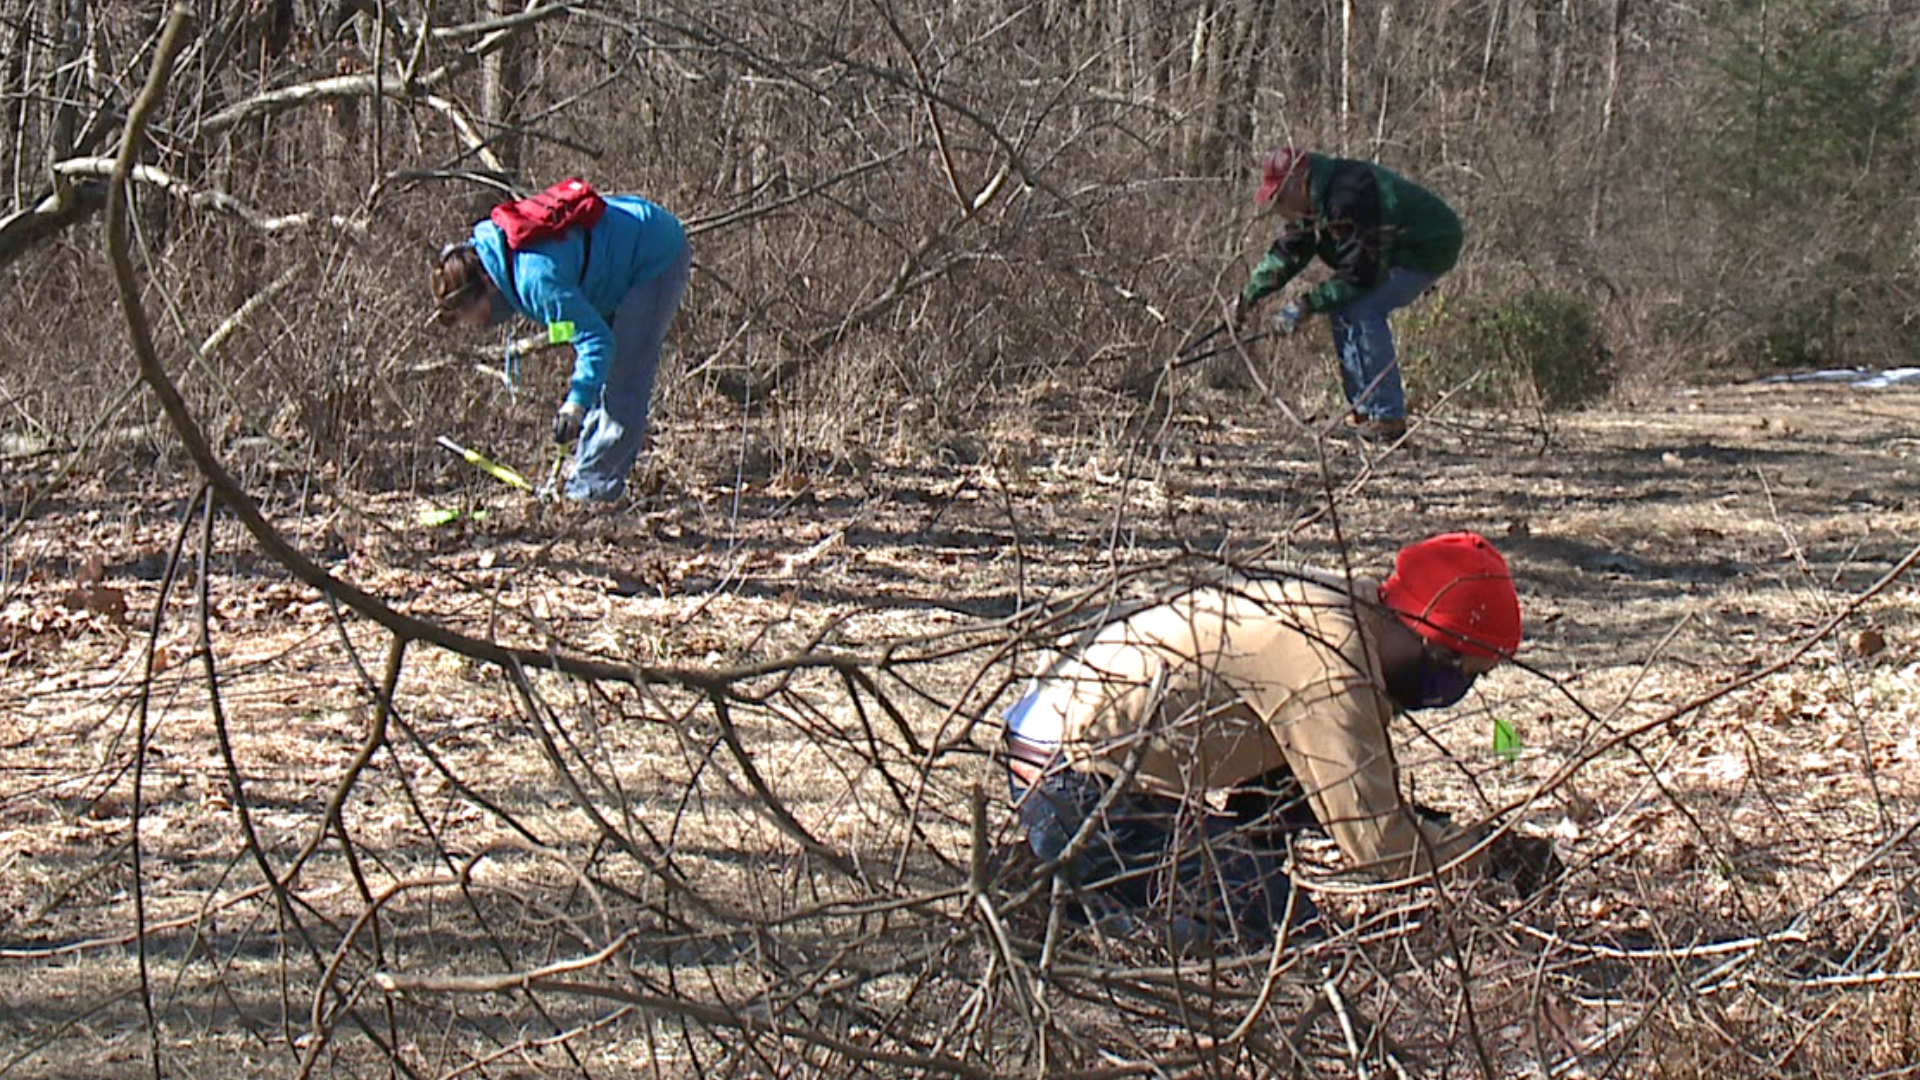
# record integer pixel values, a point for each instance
(1742, 867)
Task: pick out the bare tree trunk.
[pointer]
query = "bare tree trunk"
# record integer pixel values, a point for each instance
(1490, 52)
(1162, 36)
(17, 83)
(1229, 113)
(67, 89)
(1602, 158)
(1384, 62)
(1525, 75)
(1346, 69)
(1200, 57)
(1228, 39)
(502, 80)
(1259, 47)
(1553, 23)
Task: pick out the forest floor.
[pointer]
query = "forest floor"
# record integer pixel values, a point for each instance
(1665, 553)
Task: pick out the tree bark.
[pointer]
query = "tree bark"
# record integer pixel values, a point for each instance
(502, 81)
(67, 88)
(1346, 68)
(1603, 145)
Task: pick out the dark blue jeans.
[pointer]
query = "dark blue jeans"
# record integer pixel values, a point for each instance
(1369, 367)
(1203, 874)
(611, 435)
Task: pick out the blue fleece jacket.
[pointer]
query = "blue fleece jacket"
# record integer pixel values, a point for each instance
(633, 241)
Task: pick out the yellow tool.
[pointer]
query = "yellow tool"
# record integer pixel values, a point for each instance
(489, 466)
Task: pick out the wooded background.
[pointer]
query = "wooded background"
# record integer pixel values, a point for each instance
(648, 792)
(936, 202)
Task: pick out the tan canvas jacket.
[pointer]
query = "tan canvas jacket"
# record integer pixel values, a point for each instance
(1226, 682)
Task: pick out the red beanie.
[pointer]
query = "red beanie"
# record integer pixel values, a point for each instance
(1280, 167)
(1455, 590)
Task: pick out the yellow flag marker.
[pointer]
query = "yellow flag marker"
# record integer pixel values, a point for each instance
(487, 465)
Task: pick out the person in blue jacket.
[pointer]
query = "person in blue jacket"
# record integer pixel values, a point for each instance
(612, 294)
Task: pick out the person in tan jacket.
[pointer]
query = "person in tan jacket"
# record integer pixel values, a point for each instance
(1163, 762)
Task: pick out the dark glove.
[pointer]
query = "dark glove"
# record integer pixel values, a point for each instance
(1527, 862)
(1239, 312)
(566, 423)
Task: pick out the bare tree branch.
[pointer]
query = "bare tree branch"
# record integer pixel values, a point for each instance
(27, 227)
(342, 87)
(97, 167)
(171, 42)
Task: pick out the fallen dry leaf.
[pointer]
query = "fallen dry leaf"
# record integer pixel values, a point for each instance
(98, 599)
(1868, 642)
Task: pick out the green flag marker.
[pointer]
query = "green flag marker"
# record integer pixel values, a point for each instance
(1505, 742)
(433, 517)
(559, 333)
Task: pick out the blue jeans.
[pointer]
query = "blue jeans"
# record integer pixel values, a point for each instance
(1207, 875)
(1369, 371)
(611, 434)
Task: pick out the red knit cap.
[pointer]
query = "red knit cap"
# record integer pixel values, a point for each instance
(1280, 167)
(1455, 590)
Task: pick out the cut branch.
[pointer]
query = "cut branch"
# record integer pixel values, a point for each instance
(54, 213)
(100, 167)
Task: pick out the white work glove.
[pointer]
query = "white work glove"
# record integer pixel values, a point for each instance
(566, 423)
(1287, 319)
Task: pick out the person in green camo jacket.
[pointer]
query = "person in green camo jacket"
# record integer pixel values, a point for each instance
(1387, 240)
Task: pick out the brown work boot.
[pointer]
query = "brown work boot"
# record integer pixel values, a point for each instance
(1376, 428)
